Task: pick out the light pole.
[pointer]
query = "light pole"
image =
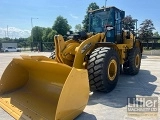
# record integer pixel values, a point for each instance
(32, 21)
(32, 32)
(105, 3)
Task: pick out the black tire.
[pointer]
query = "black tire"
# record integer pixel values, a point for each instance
(98, 69)
(53, 55)
(132, 66)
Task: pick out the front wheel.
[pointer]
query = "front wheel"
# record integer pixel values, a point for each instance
(103, 69)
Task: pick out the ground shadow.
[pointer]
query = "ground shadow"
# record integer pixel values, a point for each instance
(128, 86)
(86, 116)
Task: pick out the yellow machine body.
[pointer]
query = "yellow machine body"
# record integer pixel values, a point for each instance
(40, 88)
(66, 52)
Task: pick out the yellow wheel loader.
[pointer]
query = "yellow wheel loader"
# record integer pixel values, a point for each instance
(41, 88)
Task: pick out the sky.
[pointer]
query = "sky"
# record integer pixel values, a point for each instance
(17, 14)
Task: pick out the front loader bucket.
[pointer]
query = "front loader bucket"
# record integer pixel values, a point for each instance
(38, 88)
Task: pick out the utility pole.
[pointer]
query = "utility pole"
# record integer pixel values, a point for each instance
(105, 3)
(32, 26)
(32, 21)
(7, 31)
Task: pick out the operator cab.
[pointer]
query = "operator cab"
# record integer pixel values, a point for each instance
(110, 16)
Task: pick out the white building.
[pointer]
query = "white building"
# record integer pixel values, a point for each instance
(4, 45)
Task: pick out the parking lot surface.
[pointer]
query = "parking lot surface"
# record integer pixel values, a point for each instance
(111, 106)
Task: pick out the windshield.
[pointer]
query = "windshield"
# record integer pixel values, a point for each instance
(100, 20)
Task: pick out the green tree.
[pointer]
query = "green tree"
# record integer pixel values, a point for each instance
(61, 25)
(51, 35)
(92, 6)
(36, 34)
(46, 31)
(156, 34)
(78, 28)
(28, 41)
(48, 34)
(128, 23)
(146, 30)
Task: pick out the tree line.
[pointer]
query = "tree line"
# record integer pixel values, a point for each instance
(61, 26)
(42, 34)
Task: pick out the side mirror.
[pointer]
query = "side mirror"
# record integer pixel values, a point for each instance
(108, 28)
(69, 32)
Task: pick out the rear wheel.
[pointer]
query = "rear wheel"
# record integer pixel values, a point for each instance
(103, 69)
(132, 66)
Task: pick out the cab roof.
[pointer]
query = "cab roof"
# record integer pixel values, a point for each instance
(103, 8)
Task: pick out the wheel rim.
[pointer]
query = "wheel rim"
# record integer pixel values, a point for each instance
(137, 60)
(112, 70)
